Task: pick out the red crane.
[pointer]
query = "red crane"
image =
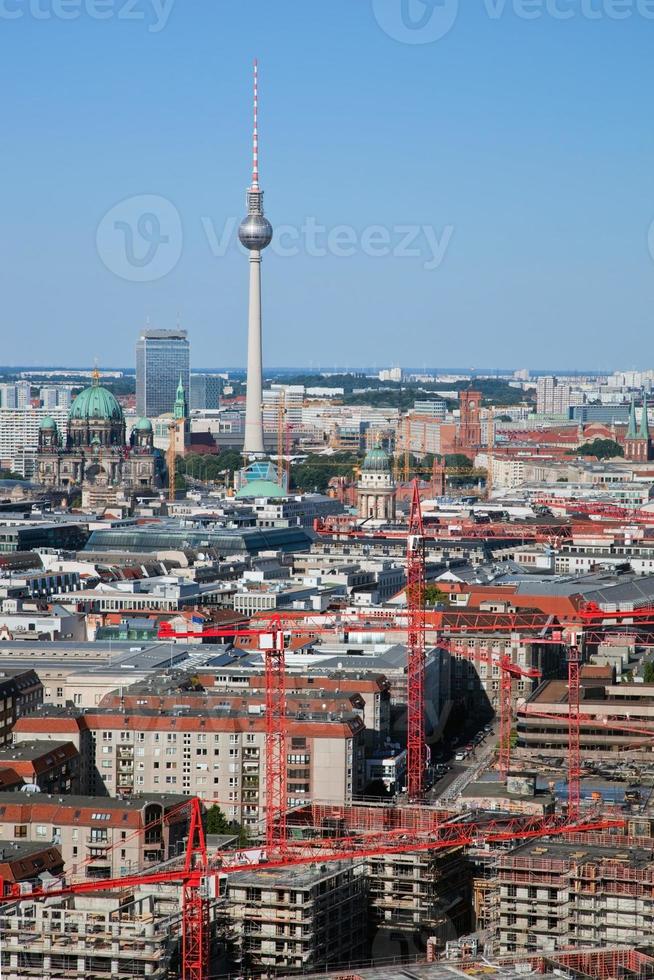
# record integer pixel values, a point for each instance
(199, 878)
(415, 600)
(193, 878)
(271, 641)
(508, 670)
(574, 724)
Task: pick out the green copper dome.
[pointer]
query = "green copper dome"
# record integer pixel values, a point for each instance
(48, 423)
(96, 402)
(376, 461)
(260, 488)
(143, 425)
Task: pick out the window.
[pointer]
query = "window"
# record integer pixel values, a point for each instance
(41, 830)
(20, 830)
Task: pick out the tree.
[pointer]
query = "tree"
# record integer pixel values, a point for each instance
(457, 461)
(316, 471)
(648, 672)
(217, 822)
(601, 448)
(435, 596)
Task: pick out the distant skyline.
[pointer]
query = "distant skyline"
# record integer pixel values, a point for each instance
(479, 187)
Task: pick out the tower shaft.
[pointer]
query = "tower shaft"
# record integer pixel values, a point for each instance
(255, 234)
(253, 444)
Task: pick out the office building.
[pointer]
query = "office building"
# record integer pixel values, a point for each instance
(205, 392)
(162, 357)
(434, 408)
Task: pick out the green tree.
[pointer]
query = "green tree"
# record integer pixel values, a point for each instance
(601, 448)
(316, 471)
(217, 822)
(457, 461)
(435, 596)
(648, 672)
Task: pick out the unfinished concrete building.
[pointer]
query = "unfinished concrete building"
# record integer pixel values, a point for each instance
(575, 893)
(420, 895)
(120, 936)
(297, 918)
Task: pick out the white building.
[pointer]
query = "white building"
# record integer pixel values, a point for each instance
(19, 435)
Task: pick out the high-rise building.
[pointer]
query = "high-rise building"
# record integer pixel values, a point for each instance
(23, 394)
(48, 397)
(162, 356)
(554, 398)
(205, 392)
(255, 234)
(7, 396)
(64, 397)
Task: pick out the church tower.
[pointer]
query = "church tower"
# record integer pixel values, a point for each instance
(181, 425)
(638, 441)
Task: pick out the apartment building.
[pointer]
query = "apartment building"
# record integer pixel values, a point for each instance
(25, 862)
(218, 756)
(369, 689)
(52, 767)
(97, 838)
(420, 895)
(21, 693)
(295, 919)
(476, 672)
(579, 894)
(119, 936)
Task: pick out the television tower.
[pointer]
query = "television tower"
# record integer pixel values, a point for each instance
(255, 233)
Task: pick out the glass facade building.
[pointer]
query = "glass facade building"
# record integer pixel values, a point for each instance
(205, 391)
(162, 356)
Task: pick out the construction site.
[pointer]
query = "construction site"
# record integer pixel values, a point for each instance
(501, 865)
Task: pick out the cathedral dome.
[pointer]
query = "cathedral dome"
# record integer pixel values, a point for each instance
(376, 461)
(143, 425)
(48, 424)
(96, 403)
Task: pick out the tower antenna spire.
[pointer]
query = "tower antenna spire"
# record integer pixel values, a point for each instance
(255, 130)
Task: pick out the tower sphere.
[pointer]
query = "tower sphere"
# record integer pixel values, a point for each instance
(255, 232)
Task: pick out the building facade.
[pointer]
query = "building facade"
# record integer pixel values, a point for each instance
(162, 356)
(93, 453)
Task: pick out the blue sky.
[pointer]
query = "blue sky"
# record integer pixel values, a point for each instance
(512, 159)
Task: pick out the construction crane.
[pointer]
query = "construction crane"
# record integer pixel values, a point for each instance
(574, 739)
(508, 671)
(415, 601)
(200, 879)
(281, 438)
(272, 643)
